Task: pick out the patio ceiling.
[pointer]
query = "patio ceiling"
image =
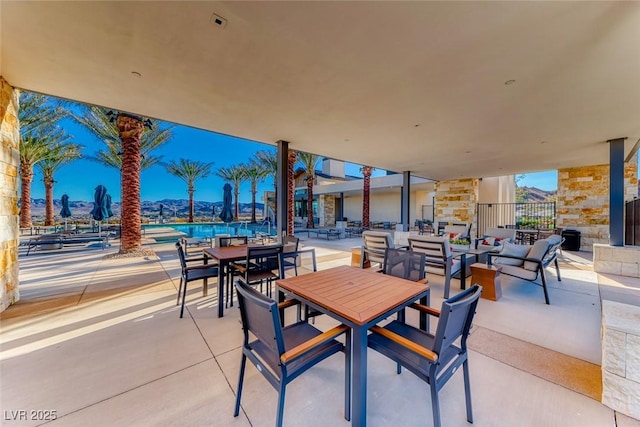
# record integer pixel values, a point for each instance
(417, 86)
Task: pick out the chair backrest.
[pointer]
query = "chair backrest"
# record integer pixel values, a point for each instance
(374, 243)
(503, 233)
(436, 248)
(455, 320)
(404, 264)
(555, 241)
(181, 255)
(264, 258)
(261, 317)
(231, 241)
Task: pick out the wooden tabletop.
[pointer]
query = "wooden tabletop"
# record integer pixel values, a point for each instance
(227, 253)
(353, 293)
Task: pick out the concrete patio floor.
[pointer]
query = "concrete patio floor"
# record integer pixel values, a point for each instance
(99, 341)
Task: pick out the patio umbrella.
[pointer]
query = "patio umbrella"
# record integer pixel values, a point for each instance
(161, 210)
(65, 212)
(100, 210)
(227, 205)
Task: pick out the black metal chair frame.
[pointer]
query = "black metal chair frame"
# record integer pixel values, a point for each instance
(225, 241)
(191, 273)
(282, 354)
(259, 266)
(433, 358)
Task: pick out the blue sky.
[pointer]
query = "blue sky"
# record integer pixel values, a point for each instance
(79, 178)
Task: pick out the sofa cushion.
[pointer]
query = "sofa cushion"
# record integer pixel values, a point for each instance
(519, 272)
(537, 251)
(513, 250)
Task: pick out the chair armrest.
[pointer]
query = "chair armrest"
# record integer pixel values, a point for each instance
(406, 343)
(306, 346)
(423, 281)
(525, 259)
(425, 309)
(288, 303)
(196, 259)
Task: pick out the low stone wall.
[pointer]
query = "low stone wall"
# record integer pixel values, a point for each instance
(621, 357)
(620, 260)
(455, 201)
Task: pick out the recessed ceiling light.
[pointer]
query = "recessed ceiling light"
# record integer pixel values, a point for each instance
(136, 74)
(417, 125)
(509, 82)
(346, 140)
(544, 142)
(467, 152)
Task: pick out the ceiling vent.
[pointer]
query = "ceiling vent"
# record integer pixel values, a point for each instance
(218, 21)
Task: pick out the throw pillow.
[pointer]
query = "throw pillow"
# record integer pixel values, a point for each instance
(488, 241)
(513, 250)
(538, 250)
(498, 241)
(453, 236)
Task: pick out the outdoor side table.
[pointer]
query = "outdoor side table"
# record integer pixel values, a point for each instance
(487, 276)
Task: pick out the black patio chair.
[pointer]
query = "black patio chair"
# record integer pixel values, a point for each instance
(262, 265)
(433, 358)
(191, 273)
(290, 254)
(224, 241)
(405, 264)
(282, 354)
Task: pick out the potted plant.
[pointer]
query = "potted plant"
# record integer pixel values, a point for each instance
(459, 244)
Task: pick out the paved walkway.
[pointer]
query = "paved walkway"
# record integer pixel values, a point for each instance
(99, 341)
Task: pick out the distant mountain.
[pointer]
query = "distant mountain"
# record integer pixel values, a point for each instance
(536, 195)
(149, 209)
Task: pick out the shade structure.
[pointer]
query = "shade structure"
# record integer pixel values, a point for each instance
(227, 204)
(100, 212)
(65, 212)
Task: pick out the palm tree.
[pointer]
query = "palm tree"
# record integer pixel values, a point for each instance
(269, 161)
(366, 173)
(235, 175)
(38, 116)
(189, 171)
(254, 172)
(309, 162)
(292, 157)
(128, 148)
(58, 156)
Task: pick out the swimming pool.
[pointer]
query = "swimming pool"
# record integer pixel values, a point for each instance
(210, 229)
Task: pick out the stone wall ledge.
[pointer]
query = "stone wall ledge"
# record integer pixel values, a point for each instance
(620, 260)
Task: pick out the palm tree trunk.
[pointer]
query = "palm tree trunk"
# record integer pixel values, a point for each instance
(236, 193)
(254, 190)
(310, 202)
(366, 171)
(191, 207)
(130, 130)
(26, 175)
(48, 210)
(291, 188)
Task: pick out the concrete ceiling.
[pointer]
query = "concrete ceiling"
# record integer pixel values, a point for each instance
(416, 86)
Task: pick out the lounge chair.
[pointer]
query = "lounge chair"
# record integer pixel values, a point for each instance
(58, 241)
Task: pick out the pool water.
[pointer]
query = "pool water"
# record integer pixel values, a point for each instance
(202, 230)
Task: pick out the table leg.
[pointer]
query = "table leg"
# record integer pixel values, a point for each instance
(359, 372)
(463, 272)
(222, 271)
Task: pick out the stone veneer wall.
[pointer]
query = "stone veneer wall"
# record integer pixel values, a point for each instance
(9, 163)
(583, 200)
(327, 210)
(455, 201)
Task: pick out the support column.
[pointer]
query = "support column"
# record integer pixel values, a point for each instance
(9, 169)
(282, 187)
(405, 202)
(616, 192)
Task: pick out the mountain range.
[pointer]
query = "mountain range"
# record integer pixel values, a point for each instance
(171, 207)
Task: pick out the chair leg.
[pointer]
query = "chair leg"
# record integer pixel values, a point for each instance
(467, 390)
(179, 291)
(447, 285)
(557, 270)
(243, 364)
(184, 297)
(435, 402)
(544, 286)
(279, 417)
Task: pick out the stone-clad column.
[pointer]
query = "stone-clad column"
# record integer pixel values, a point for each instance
(9, 164)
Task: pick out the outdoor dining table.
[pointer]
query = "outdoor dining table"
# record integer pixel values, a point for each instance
(358, 298)
(224, 255)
